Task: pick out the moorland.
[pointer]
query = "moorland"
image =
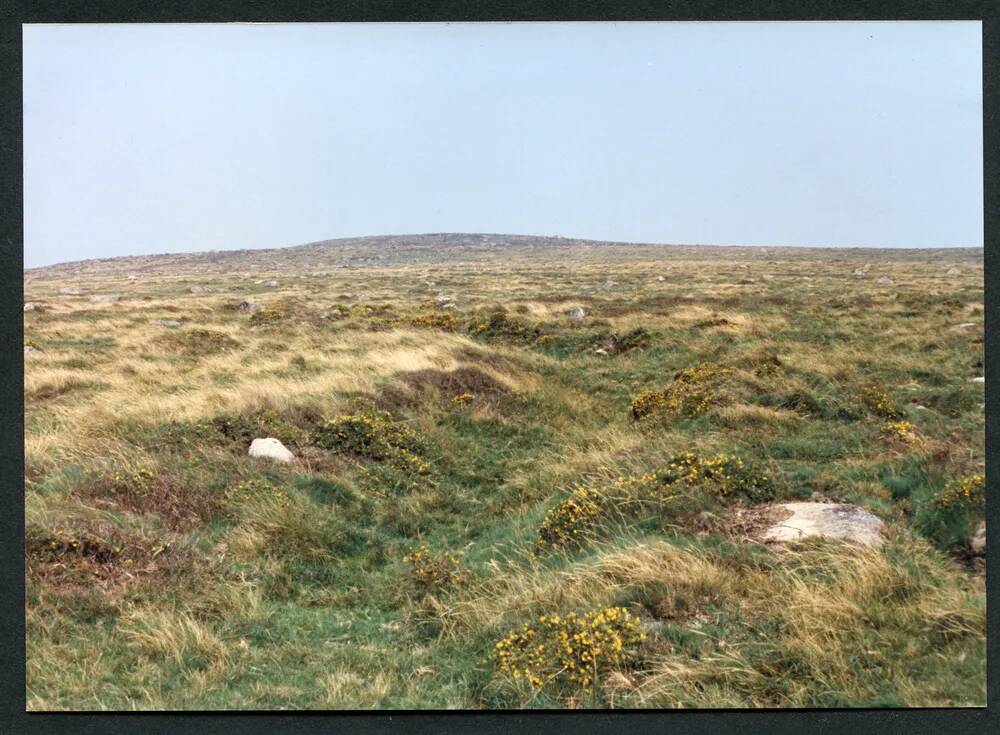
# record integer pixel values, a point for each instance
(528, 472)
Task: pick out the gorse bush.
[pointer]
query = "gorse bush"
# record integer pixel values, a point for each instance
(723, 476)
(692, 392)
(269, 315)
(370, 434)
(432, 571)
(397, 451)
(878, 402)
(444, 322)
(500, 325)
(968, 492)
(903, 431)
(565, 524)
(571, 649)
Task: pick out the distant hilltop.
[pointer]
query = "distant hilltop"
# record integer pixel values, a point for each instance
(451, 248)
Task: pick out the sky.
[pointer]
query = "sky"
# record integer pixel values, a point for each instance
(144, 139)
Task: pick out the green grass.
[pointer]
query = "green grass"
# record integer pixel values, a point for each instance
(285, 586)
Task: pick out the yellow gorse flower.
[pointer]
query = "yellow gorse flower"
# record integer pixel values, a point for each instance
(571, 648)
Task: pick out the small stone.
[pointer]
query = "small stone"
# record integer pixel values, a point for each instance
(33, 306)
(978, 541)
(109, 298)
(451, 305)
(247, 306)
(442, 299)
(271, 284)
(600, 351)
(826, 520)
(953, 271)
(29, 350)
(661, 279)
(885, 281)
(69, 291)
(270, 448)
(164, 322)
(981, 379)
(201, 289)
(965, 325)
(576, 313)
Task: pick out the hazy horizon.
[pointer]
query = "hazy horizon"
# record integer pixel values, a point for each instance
(151, 139)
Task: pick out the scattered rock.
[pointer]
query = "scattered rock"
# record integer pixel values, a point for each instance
(442, 299)
(965, 325)
(271, 284)
(201, 289)
(826, 520)
(363, 296)
(767, 277)
(978, 541)
(69, 291)
(576, 313)
(270, 448)
(108, 298)
(248, 306)
(164, 322)
(885, 281)
(981, 379)
(33, 306)
(29, 350)
(661, 279)
(449, 305)
(133, 278)
(600, 351)
(953, 271)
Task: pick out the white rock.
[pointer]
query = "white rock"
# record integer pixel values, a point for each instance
(164, 322)
(600, 351)
(981, 379)
(978, 541)
(965, 325)
(271, 284)
(108, 298)
(29, 350)
(661, 279)
(885, 281)
(248, 306)
(826, 520)
(32, 306)
(443, 299)
(69, 291)
(953, 272)
(270, 448)
(576, 313)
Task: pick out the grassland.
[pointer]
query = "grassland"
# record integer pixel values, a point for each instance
(447, 454)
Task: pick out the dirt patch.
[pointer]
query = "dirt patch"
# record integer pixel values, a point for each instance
(85, 553)
(181, 504)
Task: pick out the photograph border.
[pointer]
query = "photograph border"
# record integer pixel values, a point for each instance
(14, 718)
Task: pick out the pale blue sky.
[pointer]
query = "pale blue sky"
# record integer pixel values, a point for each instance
(166, 138)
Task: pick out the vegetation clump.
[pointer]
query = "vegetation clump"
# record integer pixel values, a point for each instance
(431, 571)
(444, 322)
(269, 315)
(500, 325)
(199, 342)
(620, 344)
(369, 434)
(879, 403)
(723, 476)
(691, 393)
(967, 492)
(571, 650)
(903, 431)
